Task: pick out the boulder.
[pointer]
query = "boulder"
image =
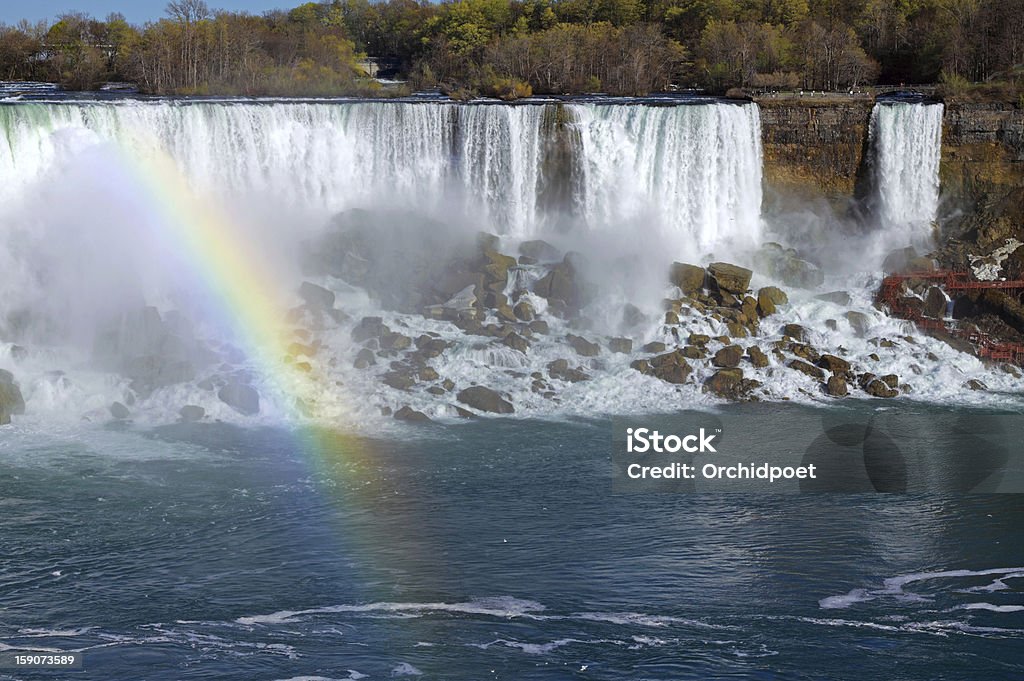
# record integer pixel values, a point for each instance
(523, 311)
(620, 345)
(241, 397)
(407, 413)
(859, 322)
(698, 339)
(364, 359)
(120, 412)
(582, 346)
(694, 352)
(484, 399)
(804, 367)
(670, 367)
(516, 342)
(891, 380)
(689, 278)
(769, 298)
(794, 331)
(11, 401)
(877, 388)
(837, 365)
(898, 260)
(367, 328)
(399, 379)
(728, 357)
(654, 346)
(539, 251)
(539, 326)
(935, 303)
(561, 283)
(561, 370)
(757, 357)
(393, 340)
(975, 384)
(729, 384)
(731, 278)
(191, 413)
(786, 266)
(316, 297)
(836, 386)
(837, 297)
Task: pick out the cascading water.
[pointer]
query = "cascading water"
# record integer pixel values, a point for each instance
(692, 171)
(695, 170)
(906, 141)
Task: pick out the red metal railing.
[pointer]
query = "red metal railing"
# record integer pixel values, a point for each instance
(891, 293)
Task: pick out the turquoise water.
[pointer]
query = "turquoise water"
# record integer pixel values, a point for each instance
(488, 550)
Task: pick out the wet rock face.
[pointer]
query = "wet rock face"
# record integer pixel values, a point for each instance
(11, 401)
(484, 399)
(728, 357)
(241, 397)
(730, 278)
(689, 278)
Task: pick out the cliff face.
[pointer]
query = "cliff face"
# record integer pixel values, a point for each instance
(814, 146)
(817, 146)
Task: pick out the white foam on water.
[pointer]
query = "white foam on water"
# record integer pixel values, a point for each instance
(499, 606)
(405, 669)
(992, 607)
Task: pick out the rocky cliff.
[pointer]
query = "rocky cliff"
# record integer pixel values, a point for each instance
(817, 146)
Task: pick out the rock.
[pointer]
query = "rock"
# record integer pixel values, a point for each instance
(891, 380)
(728, 357)
(364, 358)
(804, 367)
(877, 388)
(241, 397)
(731, 278)
(620, 345)
(399, 379)
(975, 384)
(671, 318)
(1010, 369)
(694, 352)
(654, 346)
(191, 413)
(698, 339)
(671, 367)
(794, 331)
(367, 328)
(484, 399)
(119, 411)
(539, 251)
(301, 350)
(729, 384)
(769, 298)
(516, 342)
(560, 369)
(689, 278)
(11, 400)
(407, 413)
(896, 260)
(935, 303)
(837, 297)
(561, 284)
(428, 374)
(804, 351)
(523, 311)
(757, 357)
(632, 316)
(836, 386)
(837, 365)
(784, 265)
(393, 340)
(316, 297)
(859, 322)
(539, 326)
(831, 325)
(582, 346)
(18, 353)
(149, 372)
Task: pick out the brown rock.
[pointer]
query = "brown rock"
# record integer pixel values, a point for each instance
(804, 367)
(769, 298)
(728, 357)
(484, 399)
(836, 386)
(689, 278)
(620, 345)
(582, 346)
(757, 357)
(837, 365)
(731, 278)
(654, 346)
(794, 331)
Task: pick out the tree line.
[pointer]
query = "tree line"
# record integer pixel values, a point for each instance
(510, 48)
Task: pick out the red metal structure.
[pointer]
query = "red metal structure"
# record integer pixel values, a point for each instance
(892, 295)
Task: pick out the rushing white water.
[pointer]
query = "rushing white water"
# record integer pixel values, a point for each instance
(696, 170)
(693, 171)
(906, 140)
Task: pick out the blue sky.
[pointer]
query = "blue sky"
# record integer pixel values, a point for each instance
(136, 11)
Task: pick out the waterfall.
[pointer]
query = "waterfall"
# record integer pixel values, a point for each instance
(692, 170)
(906, 143)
